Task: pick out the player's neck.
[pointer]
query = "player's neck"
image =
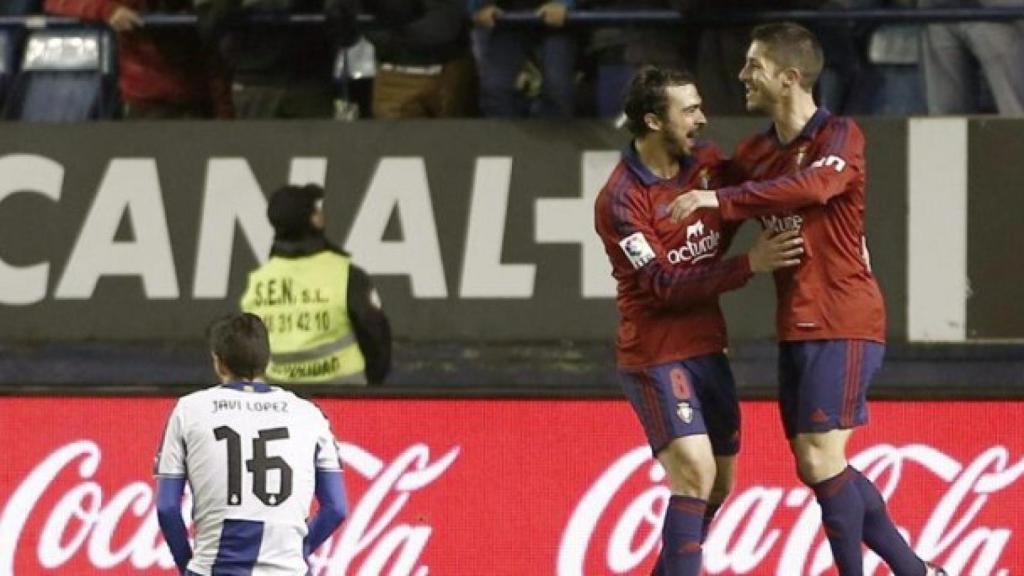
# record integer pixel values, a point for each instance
(792, 115)
(656, 158)
(231, 378)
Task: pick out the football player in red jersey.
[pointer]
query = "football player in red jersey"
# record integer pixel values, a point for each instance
(671, 338)
(807, 173)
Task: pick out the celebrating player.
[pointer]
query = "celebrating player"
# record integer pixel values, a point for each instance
(808, 175)
(254, 456)
(671, 333)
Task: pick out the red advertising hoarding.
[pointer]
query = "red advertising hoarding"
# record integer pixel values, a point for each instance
(518, 487)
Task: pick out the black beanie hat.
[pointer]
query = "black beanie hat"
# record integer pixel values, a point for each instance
(290, 209)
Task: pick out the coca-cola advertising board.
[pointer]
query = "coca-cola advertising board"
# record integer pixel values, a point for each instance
(518, 487)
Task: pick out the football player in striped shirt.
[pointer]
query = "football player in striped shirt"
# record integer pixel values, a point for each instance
(254, 456)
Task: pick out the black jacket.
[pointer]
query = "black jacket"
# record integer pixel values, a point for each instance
(261, 52)
(418, 32)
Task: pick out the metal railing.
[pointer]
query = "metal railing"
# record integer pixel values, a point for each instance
(615, 17)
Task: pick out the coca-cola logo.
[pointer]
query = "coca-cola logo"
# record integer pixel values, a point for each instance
(490, 492)
(746, 536)
(84, 519)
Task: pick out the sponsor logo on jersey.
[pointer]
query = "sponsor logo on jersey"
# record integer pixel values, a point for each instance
(701, 243)
(782, 223)
(637, 250)
(832, 161)
(819, 416)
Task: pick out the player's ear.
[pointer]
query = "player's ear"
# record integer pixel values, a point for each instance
(317, 220)
(652, 121)
(791, 77)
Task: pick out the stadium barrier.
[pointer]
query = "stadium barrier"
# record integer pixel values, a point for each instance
(618, 17)
(148, 229)
(518, 488)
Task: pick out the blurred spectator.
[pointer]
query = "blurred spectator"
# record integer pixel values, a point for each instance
(618, 52)
(869, 68)
(843, 86)
(164, 72)
(505, 50)
(961, 57)
(723, 50)
(425, 68)
(19, 7)
(279, 71)
(894, 56)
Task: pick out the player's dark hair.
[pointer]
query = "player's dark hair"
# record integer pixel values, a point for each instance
(241, 343)
(790, 45)
(647, 95)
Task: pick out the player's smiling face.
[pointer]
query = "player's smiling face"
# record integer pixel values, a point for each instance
(762, 78)
(683, 119)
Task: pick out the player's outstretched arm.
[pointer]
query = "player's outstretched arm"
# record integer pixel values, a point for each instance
(690, 202)
(826, 177)
(624, 222)
(169, 491)
(683, 287)
(330, 494)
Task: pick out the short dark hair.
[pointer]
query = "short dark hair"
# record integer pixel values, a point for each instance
(790, 45)
(240, 342)
(646, 95)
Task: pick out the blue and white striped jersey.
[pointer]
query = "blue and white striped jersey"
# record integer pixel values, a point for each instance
(250, 453)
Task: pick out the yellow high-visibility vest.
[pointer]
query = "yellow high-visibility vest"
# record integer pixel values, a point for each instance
(303, 302)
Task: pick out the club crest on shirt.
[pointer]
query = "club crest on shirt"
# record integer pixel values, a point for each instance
(798, 160)
(637, 250)
(684, 411)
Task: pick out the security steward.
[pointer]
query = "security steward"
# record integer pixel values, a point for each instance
(323, 315)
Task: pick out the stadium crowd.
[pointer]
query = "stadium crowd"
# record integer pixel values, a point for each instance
(463, 58)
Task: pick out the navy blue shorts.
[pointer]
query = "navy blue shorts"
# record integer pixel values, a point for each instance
(686, 397)
(191, 573)
(823, 384)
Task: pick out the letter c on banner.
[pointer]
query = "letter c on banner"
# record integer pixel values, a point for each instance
(23, 285)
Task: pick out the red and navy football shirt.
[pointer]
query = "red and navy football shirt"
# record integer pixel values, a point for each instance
(669, 274)
(815, 184)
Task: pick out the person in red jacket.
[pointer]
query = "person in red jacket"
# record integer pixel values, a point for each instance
(807, 173)
(164, 73)
(671, 337)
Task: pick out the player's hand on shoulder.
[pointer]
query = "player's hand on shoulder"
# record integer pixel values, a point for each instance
(773, 251)
(690, 202)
